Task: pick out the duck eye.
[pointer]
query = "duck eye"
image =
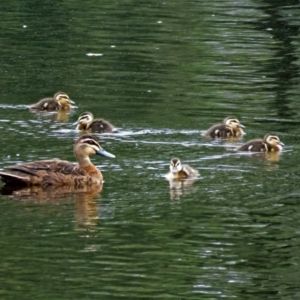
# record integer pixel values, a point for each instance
(90, 142)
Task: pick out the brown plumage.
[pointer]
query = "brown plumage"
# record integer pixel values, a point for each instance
(60, 101)
(60, 172)
(179, 171)
(270, 143)
(231, 127)
(86, 121)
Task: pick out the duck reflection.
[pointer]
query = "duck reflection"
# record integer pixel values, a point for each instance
(61, 115)
(269, 156)
(272, 156)
(181, 187)
(86, 208)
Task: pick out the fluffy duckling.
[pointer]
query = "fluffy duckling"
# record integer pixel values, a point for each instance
(179, 171)
(270, 143)
(55, 172)
(60, 101)
(231, 127)
(86, 121)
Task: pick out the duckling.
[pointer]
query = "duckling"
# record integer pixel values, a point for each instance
(55, 172)
(86, 121)
(231, 127)
(179, 171)
(270, 143)
(60, 101)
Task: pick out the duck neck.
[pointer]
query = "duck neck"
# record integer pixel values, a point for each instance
(85, 164)
(66, 106)
(83, 160)
(238, 131)
(274, 148)
(80, 127)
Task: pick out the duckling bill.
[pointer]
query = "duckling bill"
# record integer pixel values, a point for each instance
(179, 171)
(60, 101)
(231, 127)
(270, 143)
(55, 172)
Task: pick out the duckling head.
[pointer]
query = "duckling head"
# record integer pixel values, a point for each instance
(63, 99)
(273, 140)
(175, 165)
(233, 122)
(84, 119)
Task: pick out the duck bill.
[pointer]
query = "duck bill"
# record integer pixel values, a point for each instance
(75, 123)
(175, 169)
(105, 153)
(281, 143)
(241, 125)
(71, 101)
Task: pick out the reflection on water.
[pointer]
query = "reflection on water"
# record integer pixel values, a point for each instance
(180, 188)
(60, 116)
(86, 208)
(48, 194)
(282, 28)
(167, 70)
(270, 156)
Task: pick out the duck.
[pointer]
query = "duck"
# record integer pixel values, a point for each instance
(60, 101)
(231, 127)
(179, 171)
(56, 172)
(86, 121)
(270, 143)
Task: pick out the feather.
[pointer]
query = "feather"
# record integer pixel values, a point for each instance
(60, 172)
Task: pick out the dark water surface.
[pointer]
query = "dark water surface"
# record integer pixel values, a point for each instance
(162, 73)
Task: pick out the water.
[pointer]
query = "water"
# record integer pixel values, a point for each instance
(162, 73)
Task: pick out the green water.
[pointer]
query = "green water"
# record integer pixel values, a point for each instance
(162, 73)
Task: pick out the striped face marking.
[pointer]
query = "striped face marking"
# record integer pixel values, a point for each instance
(63, 100)
(62, 96)
(91, 143)
(273, 140)
(85, 118)
(91, 146)
(233, 123)
(175, 165)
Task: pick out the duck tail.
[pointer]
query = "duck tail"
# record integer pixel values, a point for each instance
(12, 179)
